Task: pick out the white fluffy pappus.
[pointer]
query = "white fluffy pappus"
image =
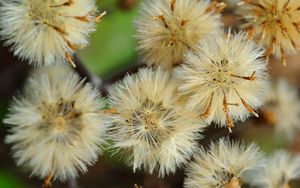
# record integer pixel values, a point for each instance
(56, 125)
(281, 168)
(149, 126)
(225, 165)
(167, 29)
(225, 80)
(275, 24)
(47, 31)
(283, 108)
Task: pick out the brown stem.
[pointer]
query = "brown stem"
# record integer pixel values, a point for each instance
(48, 181)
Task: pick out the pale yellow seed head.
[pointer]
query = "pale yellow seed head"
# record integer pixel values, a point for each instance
(57, 127)
(166, 29)
(149, 124)
(275, 24)
(49, 31)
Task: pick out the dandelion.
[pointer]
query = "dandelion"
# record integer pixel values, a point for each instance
(281, 168)
(149, 125)
(225, 165)
(167, 29)
(275, 24)
(48, 31)
(225, 80)
(57, 128)
(283, 109)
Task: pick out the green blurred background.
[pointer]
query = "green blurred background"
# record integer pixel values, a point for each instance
(112, 46)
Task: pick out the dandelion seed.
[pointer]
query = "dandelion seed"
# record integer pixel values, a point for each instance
(283, 105)
(225, 79)
(273, 23)
(150, 126)
(224, 165)
(167, 29)
(44, 32)
(57, 128)
(281, 168)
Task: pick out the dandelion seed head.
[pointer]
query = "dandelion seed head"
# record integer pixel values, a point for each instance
(167, 29)
(156, 132)
(44, 32)
(56, 124)
(225, 80)
(281, 168)
(275, 24)
(284, 105)
(224, 165)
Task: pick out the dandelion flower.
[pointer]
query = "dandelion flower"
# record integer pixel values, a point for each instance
(166, 29)
(283, 107)
(155, 132)
(57, 128)
(47, 31)
(225, 165)
(275, 24)
(225, 80)
(280, 170)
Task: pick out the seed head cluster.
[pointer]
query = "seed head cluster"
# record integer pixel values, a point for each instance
(156, 132)
(197, 76)
(166, 29)
(282, 108)
(281, 168)
(49, 31)
(275, 24)
(225, 79)
(224, 165)
(57, 127)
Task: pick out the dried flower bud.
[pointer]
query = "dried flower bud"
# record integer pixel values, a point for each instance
(275, 24)
(149, 125)
(224, 165)
(47, 31)
(280, 169)
(225, 80)
(167, 29)
(283, 105)
(57, 127)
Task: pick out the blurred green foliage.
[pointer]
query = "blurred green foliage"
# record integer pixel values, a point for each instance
(8, 180)
(112, 46)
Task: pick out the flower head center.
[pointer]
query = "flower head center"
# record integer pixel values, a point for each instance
(61, 118)
(151, 120)
(233, 183)
(59, 124)
(220, 74)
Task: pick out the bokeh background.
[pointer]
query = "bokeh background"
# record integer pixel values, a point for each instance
(111, 55)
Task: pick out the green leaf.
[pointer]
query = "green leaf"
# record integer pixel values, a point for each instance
(113, 45)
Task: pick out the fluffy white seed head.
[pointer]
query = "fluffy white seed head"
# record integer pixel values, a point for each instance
(47, 31)
(275, 24)
(224, 165)
(283, 107)
(57, 127)
(149, 125)
(225, 80)
(167, 29)
(281, 168)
